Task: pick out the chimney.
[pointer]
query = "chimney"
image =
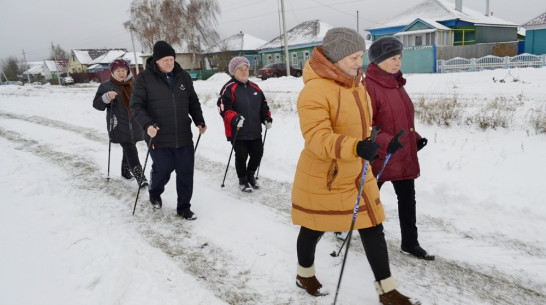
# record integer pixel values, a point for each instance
(487, 11)
(459, 5)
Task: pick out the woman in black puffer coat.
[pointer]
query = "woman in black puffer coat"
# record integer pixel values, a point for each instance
(113, 96)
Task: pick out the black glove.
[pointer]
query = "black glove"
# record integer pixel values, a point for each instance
(421, 143)
(367, 149)
(269, 120)
(394, 145)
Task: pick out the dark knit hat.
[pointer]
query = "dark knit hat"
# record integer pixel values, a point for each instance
(162, 49)
(339, 43)
(119, 63)
(383, 48)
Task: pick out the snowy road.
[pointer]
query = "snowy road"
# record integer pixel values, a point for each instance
(241, 249)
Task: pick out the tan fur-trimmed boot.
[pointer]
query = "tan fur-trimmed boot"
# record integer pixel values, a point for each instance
(388, 295)
(307, 280)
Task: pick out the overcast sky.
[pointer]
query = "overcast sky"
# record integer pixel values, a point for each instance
(32, 25)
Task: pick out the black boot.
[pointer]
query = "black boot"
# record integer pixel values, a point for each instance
(140, 177)
(156, 202)
(125, 170)
(418, 252)
(252, 180)
(244, 186)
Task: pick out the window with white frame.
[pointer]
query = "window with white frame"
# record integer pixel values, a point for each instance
(306, 55)
(269, 58)
(295, 59)
(277, 57)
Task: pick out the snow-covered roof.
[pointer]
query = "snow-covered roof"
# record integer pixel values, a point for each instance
(93, 56)
(94, 66)
(59, 66)
(433, 27)
(181, 48)
(441, 10)
(83, 56)
(34, 67)
(130, 57)
(108, 57)
(304, 33)
(237, 42)
(538, 22)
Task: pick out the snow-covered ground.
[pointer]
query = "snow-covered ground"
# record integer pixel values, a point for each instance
(68, 236)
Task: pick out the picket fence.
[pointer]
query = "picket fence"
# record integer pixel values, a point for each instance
(490, 62)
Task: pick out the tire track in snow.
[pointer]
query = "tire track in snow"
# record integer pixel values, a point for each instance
(467, 281)
(203, 260)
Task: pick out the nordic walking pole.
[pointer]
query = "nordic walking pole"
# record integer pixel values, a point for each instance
(110, 123)
(402, 131)
(197, 143)
(232, 146)
(263, 144)
(355, 212)
(400, 134)
(143, 170)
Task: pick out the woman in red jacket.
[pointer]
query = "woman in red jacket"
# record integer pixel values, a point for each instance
(393, 111)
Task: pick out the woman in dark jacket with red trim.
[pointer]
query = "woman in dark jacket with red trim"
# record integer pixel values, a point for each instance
(393, 111)
(243, 107)
(114, 96)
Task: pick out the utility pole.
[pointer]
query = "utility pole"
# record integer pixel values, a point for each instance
(26, 64)
(131, 28)
(357, 26)
(56, 66)
(285, 41)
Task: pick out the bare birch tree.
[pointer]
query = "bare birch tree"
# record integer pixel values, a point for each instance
(58, 53)
(179, 22)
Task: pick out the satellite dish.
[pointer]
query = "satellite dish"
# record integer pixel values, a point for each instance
(368, 36)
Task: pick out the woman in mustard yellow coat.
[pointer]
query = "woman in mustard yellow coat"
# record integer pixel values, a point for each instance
(335, 119)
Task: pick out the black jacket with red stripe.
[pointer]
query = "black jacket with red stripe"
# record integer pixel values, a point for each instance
(248, 100)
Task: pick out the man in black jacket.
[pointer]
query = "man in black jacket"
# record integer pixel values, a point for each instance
(164, 96)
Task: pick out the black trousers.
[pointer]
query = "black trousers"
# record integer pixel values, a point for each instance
(405, 193)
(165, 161)
(245, 149)
(373, 240)
(130, 154)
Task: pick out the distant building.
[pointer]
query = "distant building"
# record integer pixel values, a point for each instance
(446, 23)
(80, 60)
(241, 44)
(34, 71)
(188, 60)
(301, 40)
(535, 37)
(52, 69)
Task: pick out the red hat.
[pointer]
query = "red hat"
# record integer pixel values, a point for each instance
(119, 63)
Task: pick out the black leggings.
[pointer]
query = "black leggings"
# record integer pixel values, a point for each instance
(130, 154)
(373, 241)
(405, 193)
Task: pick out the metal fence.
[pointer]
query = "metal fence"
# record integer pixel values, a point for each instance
(459, 64)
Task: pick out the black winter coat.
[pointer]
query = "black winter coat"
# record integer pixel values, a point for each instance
(154, 102)
(124, 127)
(248, 100)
